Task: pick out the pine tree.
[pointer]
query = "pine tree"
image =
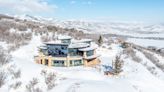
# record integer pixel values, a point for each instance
(117, 65)
(100, 40)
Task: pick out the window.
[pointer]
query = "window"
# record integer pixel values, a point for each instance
(90, 53)
(66, 41)
(73, 52)
(58, 50)
(58, 63)
(71, 62)
(76, 62)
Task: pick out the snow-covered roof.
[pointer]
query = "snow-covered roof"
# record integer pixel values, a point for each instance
(88, 48)
(82, 40)
(42, 47)
(55, 43)
(85, 40)
(78, 45)
(92, 57)
(64, 37)
(107, 68)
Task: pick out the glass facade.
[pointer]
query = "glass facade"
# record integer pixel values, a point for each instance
(76, 62)
(73, 52)
(66, 41)
(44, 51)
(58, 50)
(90, 53)
(58, 63)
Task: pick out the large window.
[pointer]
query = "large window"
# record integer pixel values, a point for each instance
(76, 62)
(58, 63)
(73, 52)
(66, 41)
(90, 53)
(58, 51)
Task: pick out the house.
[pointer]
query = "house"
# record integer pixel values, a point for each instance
(65, 52)
(108, 70)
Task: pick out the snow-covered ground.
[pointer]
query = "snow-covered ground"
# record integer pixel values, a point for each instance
(135, 78)
(147, 42)
(4, 45)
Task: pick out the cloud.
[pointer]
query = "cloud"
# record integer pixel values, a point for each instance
(27, 6)
(72, 2)
(87, 2)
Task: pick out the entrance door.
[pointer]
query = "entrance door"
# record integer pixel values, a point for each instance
(41, 61)
(46, 61)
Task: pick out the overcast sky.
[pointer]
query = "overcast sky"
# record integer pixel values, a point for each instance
(119, 10)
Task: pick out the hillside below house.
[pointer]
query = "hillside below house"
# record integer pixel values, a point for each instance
(143, 67)
(65, 52)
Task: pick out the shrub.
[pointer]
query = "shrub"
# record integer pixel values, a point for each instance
(3, 77)
(154, 59)
(4, 57)
(16, 85)
(49, 78)
(31, 86)
(37, 90)
(130, 52)
(16, 73)
(50, 81)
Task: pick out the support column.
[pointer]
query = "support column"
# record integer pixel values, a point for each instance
(84, 56)
(94, 51)
(37, 60)
(73, 63)
(85, 62)
(68, 61)
(43, 60)
(49, 61)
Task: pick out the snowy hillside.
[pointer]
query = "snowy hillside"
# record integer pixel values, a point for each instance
(114, 27)
(135, 78)
(142, 70)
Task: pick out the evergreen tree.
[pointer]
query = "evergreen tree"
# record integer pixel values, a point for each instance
(117, 65)
(100, 40)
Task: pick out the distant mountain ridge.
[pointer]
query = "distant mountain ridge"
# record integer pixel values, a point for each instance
(95, 26)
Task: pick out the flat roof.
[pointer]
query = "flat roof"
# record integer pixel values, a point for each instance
(88, 48)
(64, 37)
(78, 45)
(42, 47)
(92, 57)
(82, 40)
(55, 43)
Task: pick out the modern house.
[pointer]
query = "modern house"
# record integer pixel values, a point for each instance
(66, 52)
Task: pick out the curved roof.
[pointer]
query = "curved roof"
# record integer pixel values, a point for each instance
(92, 57)
(55, 43)
(88, 48)
(64, 37)
(78, 45)
(42, 47)
(82, 40)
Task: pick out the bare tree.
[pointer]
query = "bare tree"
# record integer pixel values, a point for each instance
(16, 85)
(31, 86)
(4, 57)
(50, 79)
(2, 78)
